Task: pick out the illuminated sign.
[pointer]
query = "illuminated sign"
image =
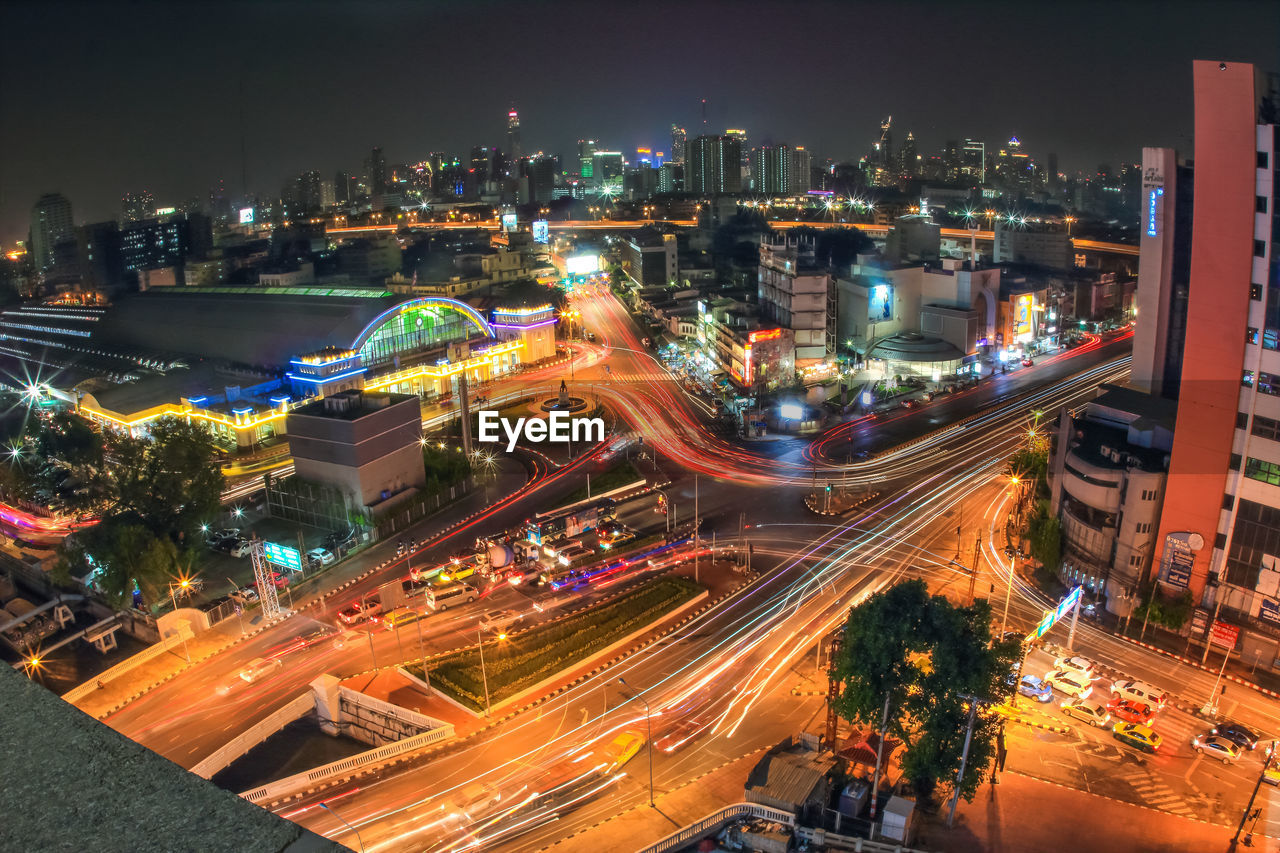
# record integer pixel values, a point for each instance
(791, 411)
(1052, 616)
(880, 303)
(1022, 316)
(582, 264)
(166, 211)
(768, 335)
(282, 555)
(1154, 198)
(508, 222)
(541, 233)
(246, 216)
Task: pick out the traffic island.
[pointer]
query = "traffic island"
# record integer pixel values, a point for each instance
(832, 501)
(512, 666)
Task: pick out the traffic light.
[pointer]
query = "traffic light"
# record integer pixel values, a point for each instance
(828, 488)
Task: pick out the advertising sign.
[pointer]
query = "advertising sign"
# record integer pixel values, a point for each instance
(1177, 560)
(282, 555)
(880, 303)
(582, 264)
(1224, 635)
(541, 233)
(1199, 622)
(1022, 316)
(1270, 611)
(508, 222)
(246, 216)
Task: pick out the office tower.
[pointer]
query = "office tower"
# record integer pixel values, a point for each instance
(50, 221)
(973, 160)
(671, 178)
(482, 162)
(1051, 170)
(515, 149)
(101, 265)
(712, 165)
(376, 172)
(606, 169)
(542, 178)
(907, 157)
(140, 205)
(586, 150)
(1164, 273)
(343, 192)
(1220, 526)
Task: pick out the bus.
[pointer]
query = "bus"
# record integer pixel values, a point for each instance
(569, 521)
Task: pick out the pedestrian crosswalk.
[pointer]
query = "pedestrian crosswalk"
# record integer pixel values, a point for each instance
(1155, 793)
(640, 376)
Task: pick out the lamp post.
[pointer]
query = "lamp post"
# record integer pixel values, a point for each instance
(360, 840)
(484, 675)
(648, 722)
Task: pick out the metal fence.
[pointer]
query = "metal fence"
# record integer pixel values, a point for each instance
(420, 508)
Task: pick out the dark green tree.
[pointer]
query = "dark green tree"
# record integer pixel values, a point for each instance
(124, 554)
(171, 482)
(926, 656)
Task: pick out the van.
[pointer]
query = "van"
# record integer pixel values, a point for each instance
(449, 596)
(259, 667)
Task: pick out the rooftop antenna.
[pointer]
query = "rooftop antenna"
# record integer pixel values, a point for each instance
(704, 114)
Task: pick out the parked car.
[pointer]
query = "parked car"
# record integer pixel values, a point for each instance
(1036, 688)
(1137, 735)
(1130, 711)
(360, 610)
(1241, 736)
(1087, 711)
(1216, 746)
(320, 557)
(278, 580)
(260, 667)
(1139, 691)
(238, 549)
(1071, 683)
(245, 595)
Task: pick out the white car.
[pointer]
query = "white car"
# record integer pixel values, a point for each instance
(499, 620)
(1140, 692)
(320, 556)
(1071, 683)
(1075, 664)
(259, 667)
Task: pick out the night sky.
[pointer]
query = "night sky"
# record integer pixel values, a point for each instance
(99, 99)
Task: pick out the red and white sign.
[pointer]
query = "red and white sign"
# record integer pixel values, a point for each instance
(1224, 635)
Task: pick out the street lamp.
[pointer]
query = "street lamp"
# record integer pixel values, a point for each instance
(488, 710)
(648, 722)
(325, 806)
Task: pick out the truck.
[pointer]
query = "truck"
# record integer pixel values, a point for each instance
(569, 521)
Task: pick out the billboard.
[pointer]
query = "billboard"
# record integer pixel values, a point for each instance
(880, 303)
(246, 216)
(508, 222)
(582, 264)
(541, 233)
(1022, 317)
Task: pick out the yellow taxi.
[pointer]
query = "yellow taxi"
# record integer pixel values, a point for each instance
(623, 748)
(1137, 735)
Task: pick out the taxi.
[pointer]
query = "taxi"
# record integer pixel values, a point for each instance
(1137, 735)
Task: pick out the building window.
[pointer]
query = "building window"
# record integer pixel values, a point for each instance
(1255, 292)
(1144, 527)
(1242, 420)
(1266, 428)
(1260, 204)
(1235, 461)
(1256, 535)
(1220, 541)
(1271, 338)
(1228, 501)
(1262, 157)
(1247, 379)
(1262, 471)
(1259, 248)
(1135, 560)
(1148, 494)
(1269, 383)
(1251, 335)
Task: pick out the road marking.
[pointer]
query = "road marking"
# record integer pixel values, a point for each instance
(1195, 762)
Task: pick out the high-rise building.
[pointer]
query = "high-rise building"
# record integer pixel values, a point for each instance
(712, 166)
(50, 221)
(542, 178)
(606, 169)
(586, 150)
(101, 265)
(771, 169)
(799, 180)
(678, 140)
(515, 148)
(302, 193)
(344, 189)
(139, 205)
(671, 178)
(907, 158)
(1164, 273)
(376, 172)
(1219, 531)
(973, 160)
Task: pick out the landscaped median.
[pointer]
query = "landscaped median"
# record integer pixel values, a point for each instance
(516, 664)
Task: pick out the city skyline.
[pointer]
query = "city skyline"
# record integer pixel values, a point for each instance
(186, 134)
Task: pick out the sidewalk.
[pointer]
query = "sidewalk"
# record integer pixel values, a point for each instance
(1025, 815)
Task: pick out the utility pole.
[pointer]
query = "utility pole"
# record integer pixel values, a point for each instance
(1075, 616)
(973, 571)
(964, 758)
(1208, 640)
(875, 780)
(1266, 765)
(1008, 593)
(696, 525)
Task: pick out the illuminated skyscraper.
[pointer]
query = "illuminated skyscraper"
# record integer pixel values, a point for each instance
(678, 140)
(514, 148)
(713, 166)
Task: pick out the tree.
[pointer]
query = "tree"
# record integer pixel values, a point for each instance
(172, 482)
(926, 656)
(124, 555)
